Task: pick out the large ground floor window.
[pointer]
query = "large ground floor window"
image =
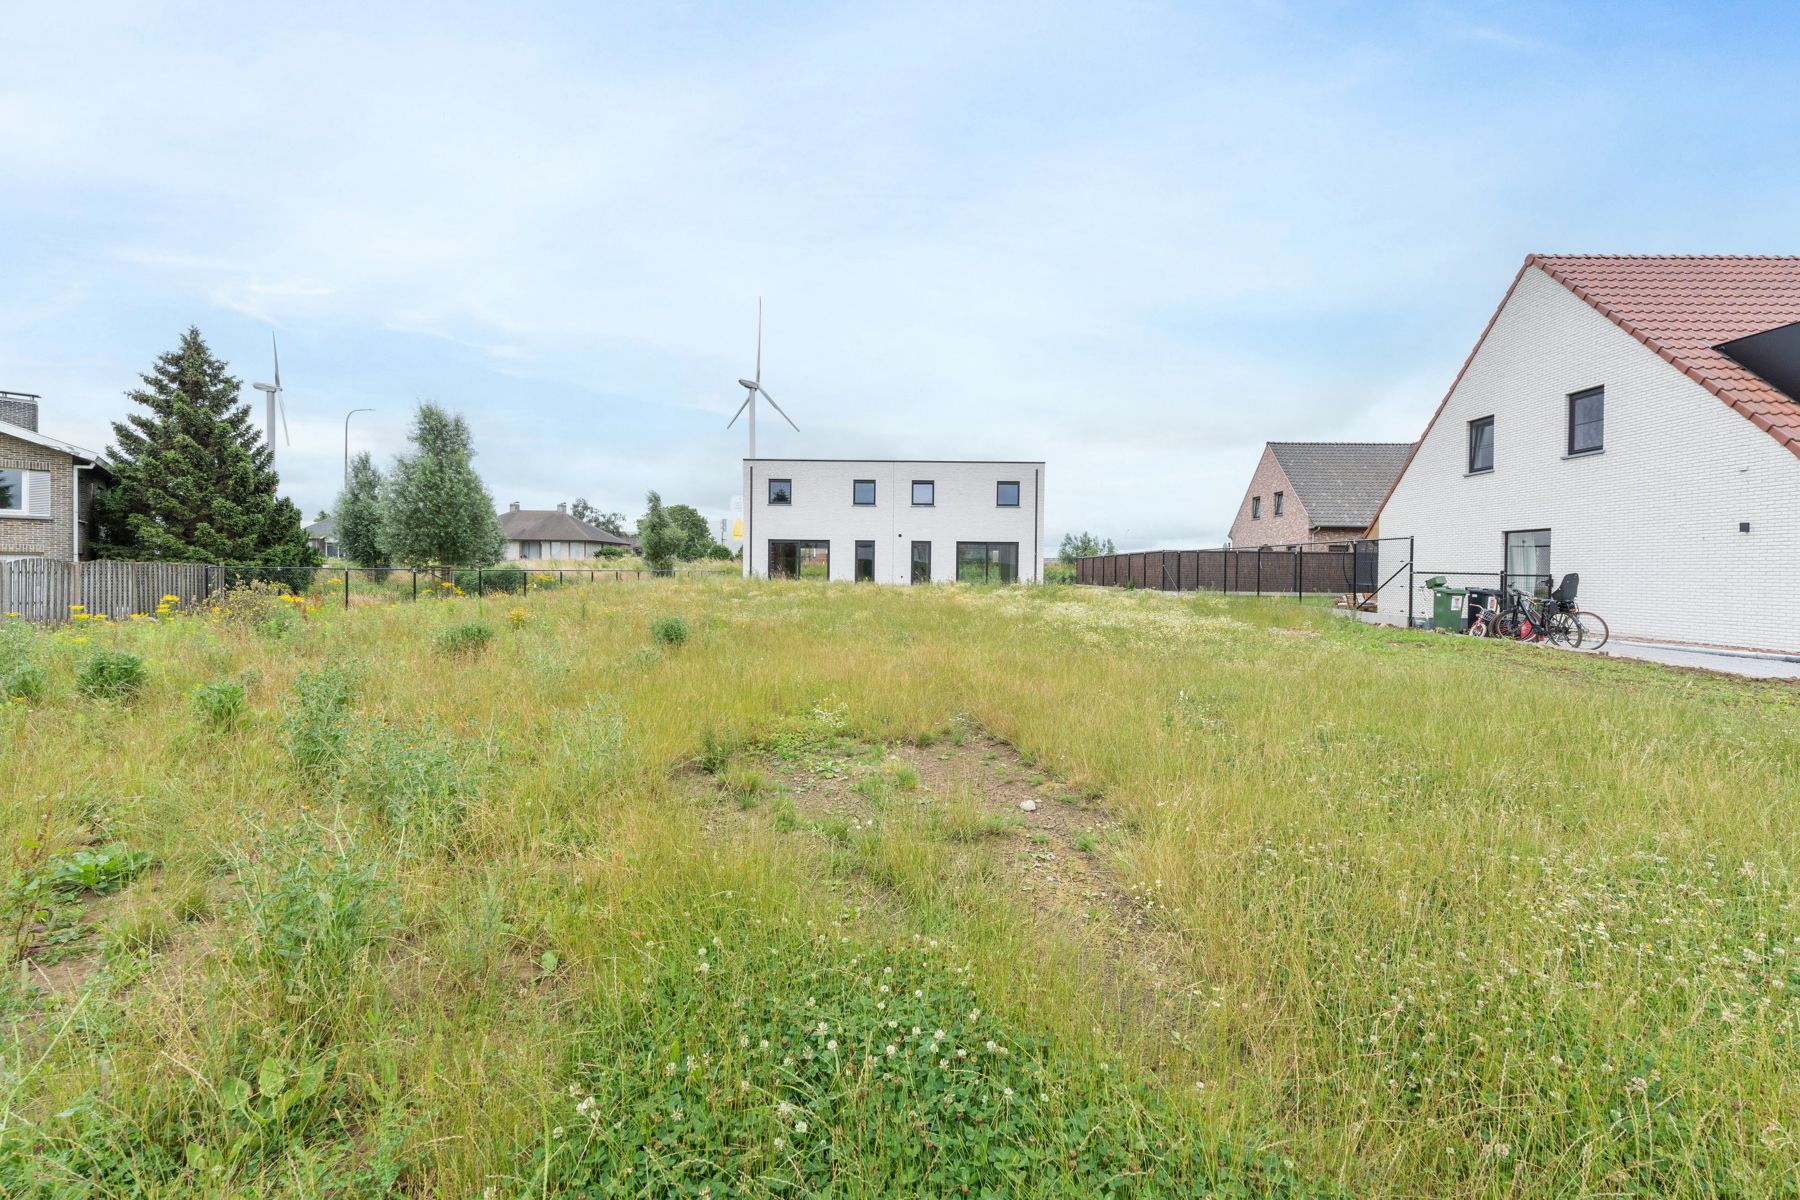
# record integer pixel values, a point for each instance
(921, 562)
(799, 560)
(865, 562)
(1528, 561)
(987, 562)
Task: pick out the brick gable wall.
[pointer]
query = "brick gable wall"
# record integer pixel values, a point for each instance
(50, 535)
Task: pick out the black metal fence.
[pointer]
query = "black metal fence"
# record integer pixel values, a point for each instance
(51, 592)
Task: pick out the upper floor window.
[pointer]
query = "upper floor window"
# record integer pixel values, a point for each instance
(1481, 444)
(12, 490)
(1256, 508)
(1007, 494)
(1587, 421)
(781, 491)
(862, 491)
(924, 492)
(1279, 498)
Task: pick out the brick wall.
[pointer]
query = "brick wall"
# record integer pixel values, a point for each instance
(49, 535)
(1650, 523)
(1292, 526)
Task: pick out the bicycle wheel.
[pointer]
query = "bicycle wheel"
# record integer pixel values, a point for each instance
(1477, 627)
(1593, 629)
(1563, 630)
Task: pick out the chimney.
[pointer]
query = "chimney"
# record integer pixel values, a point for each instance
(513, 507)
(562, 507)
(19, 408)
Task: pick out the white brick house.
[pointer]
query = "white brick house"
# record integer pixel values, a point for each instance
(1597, 427)
(894, 521)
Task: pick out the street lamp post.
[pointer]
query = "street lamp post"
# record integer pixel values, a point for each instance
(347, 417)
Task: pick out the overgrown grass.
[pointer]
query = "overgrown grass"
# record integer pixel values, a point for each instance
(356, 913)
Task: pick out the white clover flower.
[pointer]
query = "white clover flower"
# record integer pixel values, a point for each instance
(779, 1143)
(831, 1045)
(799, 1126)
(557, 1133)
(891, 1049)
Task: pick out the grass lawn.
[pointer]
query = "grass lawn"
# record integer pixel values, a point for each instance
(712, 887)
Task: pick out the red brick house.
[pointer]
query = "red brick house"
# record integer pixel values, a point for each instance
(1316, 492)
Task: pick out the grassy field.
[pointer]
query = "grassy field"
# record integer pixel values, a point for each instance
(711, 888)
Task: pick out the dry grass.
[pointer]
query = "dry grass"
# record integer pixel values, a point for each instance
(1456, 919)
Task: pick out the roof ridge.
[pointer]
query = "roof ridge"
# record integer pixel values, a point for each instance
(1539, 255)
(1343, 443)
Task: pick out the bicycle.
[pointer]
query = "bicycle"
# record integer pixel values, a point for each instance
(1529, 619)
(1591, 628)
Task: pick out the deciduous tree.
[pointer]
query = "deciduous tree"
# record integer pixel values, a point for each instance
(437, 510)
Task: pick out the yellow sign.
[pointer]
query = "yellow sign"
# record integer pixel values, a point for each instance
(737, 531)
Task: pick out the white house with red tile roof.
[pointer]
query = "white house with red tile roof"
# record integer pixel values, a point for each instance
(1631, 419)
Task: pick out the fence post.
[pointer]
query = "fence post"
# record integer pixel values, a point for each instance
(1409, 583)
(415, 574)
(346, 589)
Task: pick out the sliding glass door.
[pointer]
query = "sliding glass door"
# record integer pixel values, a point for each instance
(799, 560)
(987, 562)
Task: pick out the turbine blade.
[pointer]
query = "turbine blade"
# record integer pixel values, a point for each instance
(748, 393)
(282, 405)
(759, 339)
(777, 407)
(277, 350)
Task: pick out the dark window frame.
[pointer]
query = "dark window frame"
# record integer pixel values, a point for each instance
(870, 502)
(930, 483)
(1475, 428)
(1593, 393)
(799, 544)
(988, 565)
(1541, 583)
(1280, 503)
(1256, 508)
(857, 561)
(913, 574)
(788, 500)
(1017, 493)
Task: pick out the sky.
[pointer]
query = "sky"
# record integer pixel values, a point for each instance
(1133, 240)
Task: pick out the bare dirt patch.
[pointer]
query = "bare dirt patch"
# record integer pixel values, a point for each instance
(1055, 849)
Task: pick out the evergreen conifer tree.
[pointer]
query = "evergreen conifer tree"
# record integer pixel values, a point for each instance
(437, 510)
(192, 478)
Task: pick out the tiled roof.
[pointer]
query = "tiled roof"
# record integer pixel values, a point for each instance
(324, 527)
(1683, 307)
(548, 525)
(1341, 484)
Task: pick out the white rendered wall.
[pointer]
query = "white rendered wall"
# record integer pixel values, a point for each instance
(1651, 523)
(965, 511)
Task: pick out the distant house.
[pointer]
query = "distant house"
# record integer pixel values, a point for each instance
(1634, 420)
(1316, 492)
(535, 535)
(46, 487)
(321, 535)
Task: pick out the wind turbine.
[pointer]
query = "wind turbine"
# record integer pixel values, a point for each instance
(753, 386)
(273, 390)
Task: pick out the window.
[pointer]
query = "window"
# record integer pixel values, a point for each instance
(1528, 561)
(862, 492)
(531, 550)
(865, 562)
(1481, 444)
(987, 562)
(781, 491)
(1279, 497)
(799, 560)
(1007, 494)
(1256, 508)
(1587, 421)
(921, 562)
(12, 490)
(924, 493)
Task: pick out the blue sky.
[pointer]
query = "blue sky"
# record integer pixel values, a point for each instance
(1134, 240)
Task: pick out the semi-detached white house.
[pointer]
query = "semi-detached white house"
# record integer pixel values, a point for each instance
(894, 521)
(1634, 421)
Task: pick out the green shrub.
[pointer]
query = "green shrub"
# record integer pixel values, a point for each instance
(219, 704)
(490, 580)
(28, 681)
(260, 606)
(111, 675)
(670, 631)
(464, 639)
(316, 728)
